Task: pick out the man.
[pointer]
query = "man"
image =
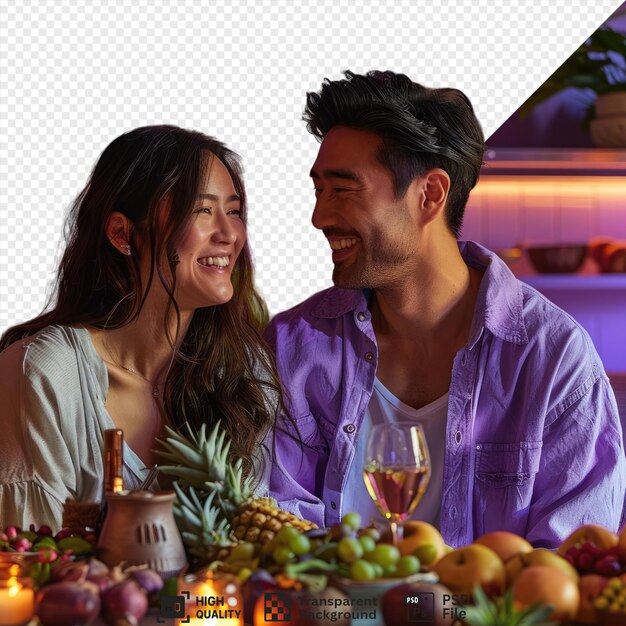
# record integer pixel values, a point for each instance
(520, 419)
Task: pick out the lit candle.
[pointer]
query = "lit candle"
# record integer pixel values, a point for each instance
(17, 603)
(213, 601)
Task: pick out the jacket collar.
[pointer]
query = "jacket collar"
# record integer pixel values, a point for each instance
(500, 300)
(499, 305)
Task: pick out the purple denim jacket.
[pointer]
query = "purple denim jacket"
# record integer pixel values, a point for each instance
(534, 441)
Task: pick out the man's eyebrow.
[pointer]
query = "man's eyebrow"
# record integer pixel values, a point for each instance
(210, 196)
(343, 174)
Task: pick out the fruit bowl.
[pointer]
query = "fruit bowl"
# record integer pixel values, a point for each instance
(558, 258)
(367, 594)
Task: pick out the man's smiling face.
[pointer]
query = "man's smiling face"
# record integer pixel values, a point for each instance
(370, 231)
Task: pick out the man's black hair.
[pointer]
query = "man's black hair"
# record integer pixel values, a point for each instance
(420, 129)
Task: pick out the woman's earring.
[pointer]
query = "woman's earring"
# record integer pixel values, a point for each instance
(126, 249)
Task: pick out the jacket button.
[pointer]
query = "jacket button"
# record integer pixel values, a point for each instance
(333, 505)
(369, 356)
(361, 316)
(350, 428)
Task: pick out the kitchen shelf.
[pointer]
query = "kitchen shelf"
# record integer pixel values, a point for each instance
(553, 162)
(598, 302)
(577, 282)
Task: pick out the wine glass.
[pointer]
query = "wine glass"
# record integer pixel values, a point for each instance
(396, 471)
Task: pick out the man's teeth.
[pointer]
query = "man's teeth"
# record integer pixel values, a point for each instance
(340, 244)
(219, 261)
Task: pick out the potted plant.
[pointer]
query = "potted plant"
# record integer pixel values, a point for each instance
(599, 64)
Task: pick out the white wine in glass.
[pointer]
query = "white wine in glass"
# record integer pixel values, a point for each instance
(396, 471)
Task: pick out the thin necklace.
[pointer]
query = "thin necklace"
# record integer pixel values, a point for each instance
(156, 391)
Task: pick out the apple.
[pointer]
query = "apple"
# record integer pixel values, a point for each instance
(464, 568)
(539, 556)
(547, 585)
(504, 543)
(423, 540)
(589, 587)
(597, 535)
(397, 609)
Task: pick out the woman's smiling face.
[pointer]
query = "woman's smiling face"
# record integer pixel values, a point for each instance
(211, 244)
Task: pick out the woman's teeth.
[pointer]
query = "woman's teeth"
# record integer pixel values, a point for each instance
(219, 261)
(340, 244)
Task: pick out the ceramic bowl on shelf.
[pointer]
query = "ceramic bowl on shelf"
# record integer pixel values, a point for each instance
(557, 258)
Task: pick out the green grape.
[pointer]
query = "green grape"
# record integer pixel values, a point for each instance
(362, 570)
(349, 550)
(408, 565)
(391, 571)
(367, 543)
(282, 555)
(353, 520)
(370, 531)
(378, 570)
(241, 552)
(243, 574)
(426, 553)
(385, 555)
(285, 533)
(299, 544)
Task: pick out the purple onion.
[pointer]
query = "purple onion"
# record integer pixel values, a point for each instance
(255, 586)
(67, 604)
(69, 571)
(102, 581)
(147, 579)
(97, 568)
(124, 603)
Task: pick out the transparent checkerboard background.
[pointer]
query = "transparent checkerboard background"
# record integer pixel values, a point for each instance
(75, 74)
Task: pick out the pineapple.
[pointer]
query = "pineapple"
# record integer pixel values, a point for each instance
(259, 520)
(215, 504)
(503, 612)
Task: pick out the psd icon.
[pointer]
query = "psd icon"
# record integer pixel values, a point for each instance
(421, 608)
(277, 606)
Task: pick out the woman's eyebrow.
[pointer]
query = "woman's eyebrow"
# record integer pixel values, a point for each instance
(210, 196)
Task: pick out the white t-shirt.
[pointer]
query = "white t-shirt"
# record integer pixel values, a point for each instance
(384, 407)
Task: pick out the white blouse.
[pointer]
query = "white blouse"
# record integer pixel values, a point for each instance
(53, 387)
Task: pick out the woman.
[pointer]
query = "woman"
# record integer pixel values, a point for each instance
(156, 321)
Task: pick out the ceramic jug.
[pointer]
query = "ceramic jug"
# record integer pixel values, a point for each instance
(139, 528)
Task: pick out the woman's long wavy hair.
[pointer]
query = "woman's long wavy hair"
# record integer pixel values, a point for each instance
(220, 370)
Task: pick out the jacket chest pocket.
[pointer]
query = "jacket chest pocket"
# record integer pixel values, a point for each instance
(504, 479)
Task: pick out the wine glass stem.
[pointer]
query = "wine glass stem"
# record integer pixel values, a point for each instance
(397, 532)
